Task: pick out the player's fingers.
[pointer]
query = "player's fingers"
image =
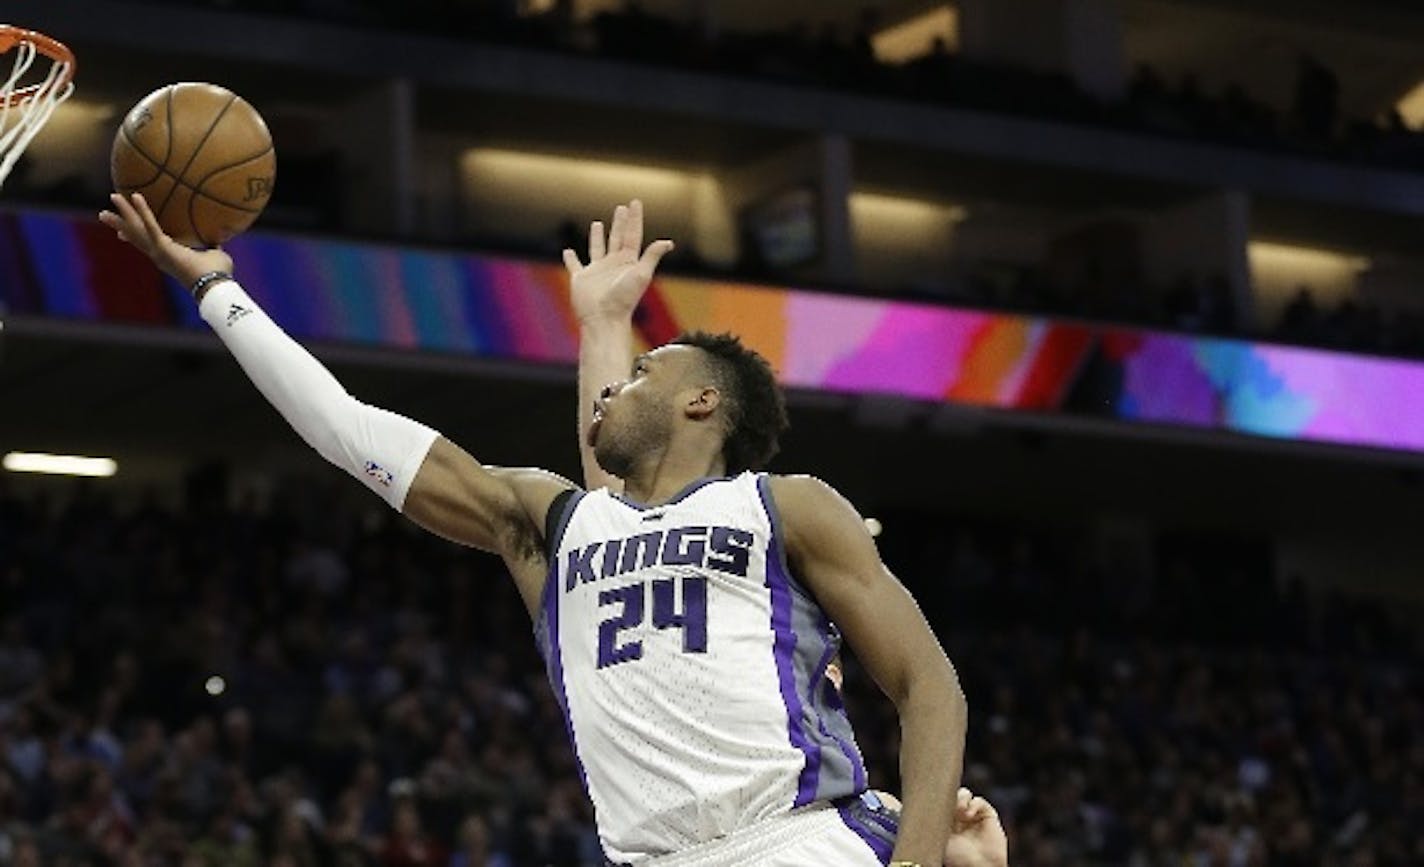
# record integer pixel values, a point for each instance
(976, 813)
(131, 226)
(962, 817)
(633, 228)
(571, 261)
(150, 222)
(115, 222)
(597, 246)
(615, 234)
(655, 253)
(125, 211)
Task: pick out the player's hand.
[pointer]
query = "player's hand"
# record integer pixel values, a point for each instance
(608, 288)
(978, 838)
(134, 222)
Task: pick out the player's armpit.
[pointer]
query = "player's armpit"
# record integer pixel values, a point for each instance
(490, 508)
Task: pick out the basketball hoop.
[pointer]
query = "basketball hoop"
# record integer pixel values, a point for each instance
(25, 107)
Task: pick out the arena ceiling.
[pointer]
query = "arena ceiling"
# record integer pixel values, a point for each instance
(1253, 42)
(1373, 46)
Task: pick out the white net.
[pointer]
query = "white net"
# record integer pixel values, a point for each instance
(24, 109)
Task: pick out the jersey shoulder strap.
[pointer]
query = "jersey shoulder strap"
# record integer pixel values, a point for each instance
(557, 518)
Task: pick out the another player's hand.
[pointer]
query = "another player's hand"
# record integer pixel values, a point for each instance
(978, 838)
(134, 222)
(608, 288)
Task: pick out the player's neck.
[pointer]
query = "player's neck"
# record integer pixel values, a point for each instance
(664, 475)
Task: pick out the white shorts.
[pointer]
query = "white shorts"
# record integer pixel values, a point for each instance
(854, 832)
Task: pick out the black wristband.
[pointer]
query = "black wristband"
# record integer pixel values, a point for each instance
(201, 284)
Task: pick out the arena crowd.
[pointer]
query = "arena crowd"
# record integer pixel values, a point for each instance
(283, 682)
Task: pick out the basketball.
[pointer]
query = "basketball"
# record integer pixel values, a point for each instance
(201, 156)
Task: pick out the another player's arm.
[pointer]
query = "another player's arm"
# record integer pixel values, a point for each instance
(411, 466)
(605, 292)
(833, 554)
(978, 838)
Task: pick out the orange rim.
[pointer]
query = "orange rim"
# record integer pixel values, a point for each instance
(11, 37)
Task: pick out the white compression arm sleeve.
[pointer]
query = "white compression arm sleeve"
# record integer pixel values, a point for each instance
(381, 449)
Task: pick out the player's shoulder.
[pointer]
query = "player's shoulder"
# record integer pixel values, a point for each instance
(536, 489)
(813, 515)
(534, 479)
(799, 491)
(799, 483)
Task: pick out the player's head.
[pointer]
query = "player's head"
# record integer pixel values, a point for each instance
(705, 388)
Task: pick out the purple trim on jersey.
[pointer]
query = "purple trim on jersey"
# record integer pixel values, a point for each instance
(554, 661)
(546, 631)
(836, 711)
(692, 488)
(878, 832)
(807, 646)
(554, 539)
(778, 579)
(836, 707)
(821, 683)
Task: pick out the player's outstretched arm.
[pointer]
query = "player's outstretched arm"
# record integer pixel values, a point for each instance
(605, 292)
(833, 554)
(494, 509)
(409, 465)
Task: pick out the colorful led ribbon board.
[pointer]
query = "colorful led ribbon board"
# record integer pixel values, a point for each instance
(517, 310)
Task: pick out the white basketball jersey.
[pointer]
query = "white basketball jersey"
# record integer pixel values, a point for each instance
(691, 667)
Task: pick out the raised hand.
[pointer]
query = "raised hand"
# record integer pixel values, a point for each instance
(978, 838)
(134, 222)
(608, 288)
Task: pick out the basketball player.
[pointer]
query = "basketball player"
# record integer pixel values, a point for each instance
(605, 293)
(685, 621)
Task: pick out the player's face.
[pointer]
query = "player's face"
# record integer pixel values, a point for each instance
(637, 416)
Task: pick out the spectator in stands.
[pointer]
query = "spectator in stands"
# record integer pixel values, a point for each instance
(408, 845)
(1317, 100)
(475, 848)
(1300, 319)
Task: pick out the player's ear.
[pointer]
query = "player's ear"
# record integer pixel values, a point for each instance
(703, 403)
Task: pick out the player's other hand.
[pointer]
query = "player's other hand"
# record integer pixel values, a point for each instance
(978, 838)
(134, 222)
(608, 288)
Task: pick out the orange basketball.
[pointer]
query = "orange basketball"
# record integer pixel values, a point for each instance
(201, 156)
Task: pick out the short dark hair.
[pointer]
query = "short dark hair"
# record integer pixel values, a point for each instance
(756, 408)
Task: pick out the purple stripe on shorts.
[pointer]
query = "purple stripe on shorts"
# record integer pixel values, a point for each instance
(784, 648)
(879, 845)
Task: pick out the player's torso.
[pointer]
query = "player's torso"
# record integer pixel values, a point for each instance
(691, 668)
